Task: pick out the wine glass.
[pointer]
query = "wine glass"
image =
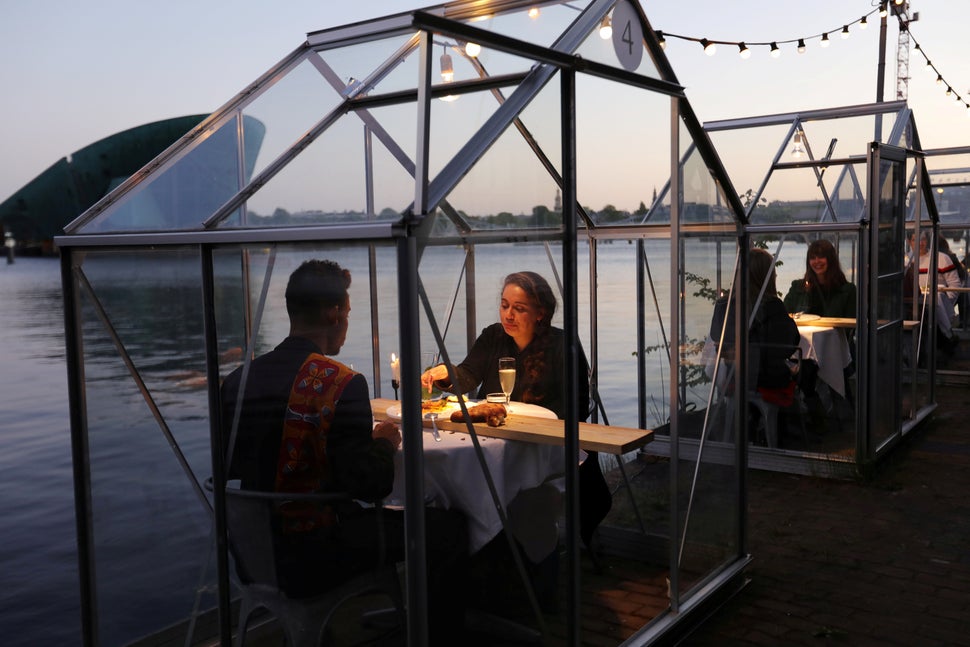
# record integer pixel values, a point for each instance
(506, 377)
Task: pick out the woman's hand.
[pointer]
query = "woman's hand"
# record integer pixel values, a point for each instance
(388, 431)
(432, 375)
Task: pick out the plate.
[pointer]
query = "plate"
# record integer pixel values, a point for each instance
(805, 317)
(394, 411)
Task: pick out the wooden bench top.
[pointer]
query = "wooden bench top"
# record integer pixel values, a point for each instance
(592, 437)
(845, 322)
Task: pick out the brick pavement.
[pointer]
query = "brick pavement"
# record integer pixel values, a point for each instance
(884, 562)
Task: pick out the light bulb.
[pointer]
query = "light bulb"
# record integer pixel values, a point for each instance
(447, 69)
(845, 31)
(882, 10)
(534, 12)
(775, 52)
(899, 2)
(825, 41)
(661, 40)
(606, 28)
(863, 23)
(743, 51)
(801, 45)
(709, 47)
(939, 79)
(473, 49)
(929, 66)
(949, 91)
(798, 150)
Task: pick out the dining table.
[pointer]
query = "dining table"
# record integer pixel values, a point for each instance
(525, 460)
(828, 347)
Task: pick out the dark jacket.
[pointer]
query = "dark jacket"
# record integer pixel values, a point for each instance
(835, 302)
(772, 340)
(539, 370)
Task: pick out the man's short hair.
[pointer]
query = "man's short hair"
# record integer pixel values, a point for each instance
(315, 286)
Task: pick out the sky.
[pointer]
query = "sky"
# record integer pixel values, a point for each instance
(73, 73)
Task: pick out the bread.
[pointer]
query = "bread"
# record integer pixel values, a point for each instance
(490, 413)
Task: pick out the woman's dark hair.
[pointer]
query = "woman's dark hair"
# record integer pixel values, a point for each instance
(538, 290)
(761, 271)
(315, 286)
(834, 276)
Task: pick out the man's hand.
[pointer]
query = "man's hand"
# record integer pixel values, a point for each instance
(389, 431)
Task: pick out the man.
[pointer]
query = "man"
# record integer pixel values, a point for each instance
(306, 426)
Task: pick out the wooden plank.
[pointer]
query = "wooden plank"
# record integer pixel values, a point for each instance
(845, 322)
(608, 439)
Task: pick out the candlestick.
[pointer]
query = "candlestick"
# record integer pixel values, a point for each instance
(395, 374)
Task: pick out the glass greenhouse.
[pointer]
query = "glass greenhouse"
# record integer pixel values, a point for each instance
(432, 153)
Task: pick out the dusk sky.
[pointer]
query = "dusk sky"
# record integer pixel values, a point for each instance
(73, 73)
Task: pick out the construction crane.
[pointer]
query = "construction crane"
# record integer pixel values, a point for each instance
(901, 10)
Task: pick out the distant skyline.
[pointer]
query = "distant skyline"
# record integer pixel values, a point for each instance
(75, 73)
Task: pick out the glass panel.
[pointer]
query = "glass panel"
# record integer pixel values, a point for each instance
(529, 196)
(622, 150)
(708, 496)
(356, 63)
(327, 182)
(539, 25)
(187, 192)
(286, 111)
(796, 196)
(889, 251)
(151, 530)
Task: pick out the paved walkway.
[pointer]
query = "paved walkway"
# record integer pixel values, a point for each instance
(884, 563)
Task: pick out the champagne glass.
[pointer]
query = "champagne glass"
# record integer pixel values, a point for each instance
(506, 377)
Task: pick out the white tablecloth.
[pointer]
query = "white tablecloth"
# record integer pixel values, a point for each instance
(830, 350)
(453, 477)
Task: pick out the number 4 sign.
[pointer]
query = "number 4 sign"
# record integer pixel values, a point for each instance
(627, 35)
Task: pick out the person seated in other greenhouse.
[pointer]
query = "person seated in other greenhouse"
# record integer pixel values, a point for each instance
(772, 336)
(947, 275)
(824, 291)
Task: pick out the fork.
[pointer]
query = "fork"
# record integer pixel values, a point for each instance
(434, 427)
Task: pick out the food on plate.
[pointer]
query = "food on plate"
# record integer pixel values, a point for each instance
(491, 414)
(433, 406)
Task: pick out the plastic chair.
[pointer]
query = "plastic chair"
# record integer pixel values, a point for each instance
(249, 519)
(769, 411)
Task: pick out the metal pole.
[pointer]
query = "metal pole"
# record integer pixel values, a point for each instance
(881, 75)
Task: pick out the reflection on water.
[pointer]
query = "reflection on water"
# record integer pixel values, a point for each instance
(140, 492)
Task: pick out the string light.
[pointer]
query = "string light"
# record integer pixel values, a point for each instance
(746, 48)
(774, 50)
(606, 28)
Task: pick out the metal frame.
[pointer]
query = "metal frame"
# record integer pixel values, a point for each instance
(410, 235)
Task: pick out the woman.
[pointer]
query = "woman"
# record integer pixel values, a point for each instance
(824, 290)
(947, 275)
(772, 335)
(525, 332)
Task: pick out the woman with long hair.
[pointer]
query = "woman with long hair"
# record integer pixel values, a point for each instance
(824, 290)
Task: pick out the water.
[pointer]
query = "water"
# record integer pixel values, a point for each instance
(39, 590)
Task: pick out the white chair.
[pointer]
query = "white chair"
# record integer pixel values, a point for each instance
(249, 519)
